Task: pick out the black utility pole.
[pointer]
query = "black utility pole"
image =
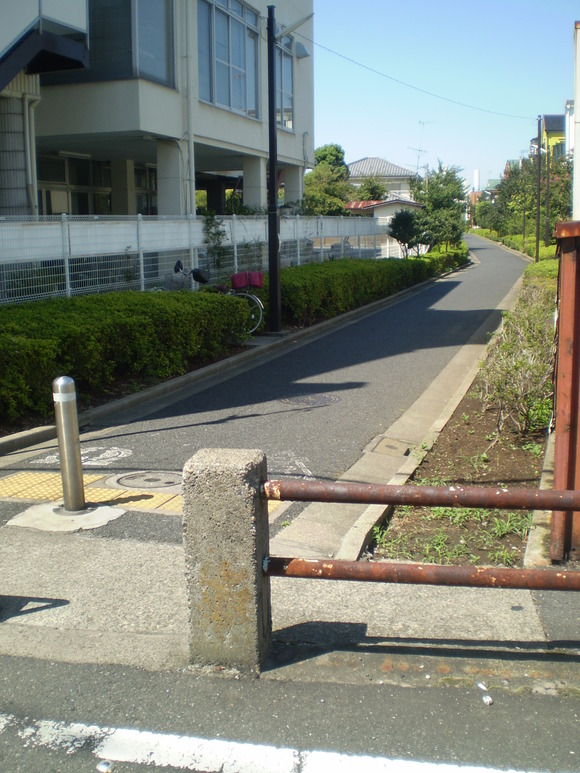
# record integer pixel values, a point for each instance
(547, 234)
(273, 212)
(538, 190)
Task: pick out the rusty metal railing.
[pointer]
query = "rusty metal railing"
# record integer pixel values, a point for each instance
(565, 528)
(422, 574)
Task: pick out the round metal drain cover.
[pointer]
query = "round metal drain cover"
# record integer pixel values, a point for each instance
(311, 401)
(150, 480)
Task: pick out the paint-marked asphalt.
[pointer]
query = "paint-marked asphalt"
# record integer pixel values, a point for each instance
(47, 487)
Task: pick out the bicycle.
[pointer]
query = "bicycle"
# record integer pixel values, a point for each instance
(241, 284)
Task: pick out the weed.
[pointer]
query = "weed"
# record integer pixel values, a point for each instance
(391, 545)
(511, 523)
(534, 448)
(503, 555)
(436, 548)
(517, 374)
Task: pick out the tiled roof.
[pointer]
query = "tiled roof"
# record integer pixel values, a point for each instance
(554, 123)
(377, 167)
(393, 198)
(363, 204)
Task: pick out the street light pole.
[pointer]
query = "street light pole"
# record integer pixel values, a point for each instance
(275, 313)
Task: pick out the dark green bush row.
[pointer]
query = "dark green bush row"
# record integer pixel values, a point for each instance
(100, 340)
(516, 242)
(321, 291)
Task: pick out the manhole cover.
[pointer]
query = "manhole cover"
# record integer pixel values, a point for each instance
(150, 480)
(311, 401)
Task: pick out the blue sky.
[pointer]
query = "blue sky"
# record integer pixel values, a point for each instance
(500, 56)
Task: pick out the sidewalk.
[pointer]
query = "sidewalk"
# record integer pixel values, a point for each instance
(75, 598)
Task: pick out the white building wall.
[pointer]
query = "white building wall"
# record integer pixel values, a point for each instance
(153, 113)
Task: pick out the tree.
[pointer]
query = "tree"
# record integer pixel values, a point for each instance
(513, 209)
(326, 187)
(333, 156)
(442, 193)
(372, 188)
(403, 228)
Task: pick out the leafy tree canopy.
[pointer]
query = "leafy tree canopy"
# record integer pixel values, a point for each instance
(326, 187)
(333, 156)
(442, 193)
(372, 188)
(403, 228)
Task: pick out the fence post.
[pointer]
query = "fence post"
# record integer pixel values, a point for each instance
(297, 234)
(64, 231)
(226, 540)
(565, 526)
(234, 235)
(140, 252)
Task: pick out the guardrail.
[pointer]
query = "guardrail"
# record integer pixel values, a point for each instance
(228, 566)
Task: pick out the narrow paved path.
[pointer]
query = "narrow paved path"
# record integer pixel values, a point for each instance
(313, 408)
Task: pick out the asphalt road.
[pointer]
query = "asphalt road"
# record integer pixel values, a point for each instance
(313, 408)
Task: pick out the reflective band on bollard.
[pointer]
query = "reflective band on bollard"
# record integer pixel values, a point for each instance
(67, 429)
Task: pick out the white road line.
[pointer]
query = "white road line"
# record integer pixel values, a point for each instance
(208, 755)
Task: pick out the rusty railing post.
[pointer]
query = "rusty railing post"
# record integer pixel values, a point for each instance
(565, 529)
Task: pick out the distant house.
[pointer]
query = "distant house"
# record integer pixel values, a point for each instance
(554, 134)
(395, 178)
(385, 208)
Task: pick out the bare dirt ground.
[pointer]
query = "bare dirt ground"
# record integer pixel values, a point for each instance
(468, 451)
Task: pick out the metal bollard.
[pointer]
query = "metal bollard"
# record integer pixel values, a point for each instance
(67, 429)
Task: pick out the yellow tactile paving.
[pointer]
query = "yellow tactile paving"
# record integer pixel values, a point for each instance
(47, 487)
(174, 505)
(34, 485)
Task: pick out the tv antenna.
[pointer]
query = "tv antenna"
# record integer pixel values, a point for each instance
(420, 150)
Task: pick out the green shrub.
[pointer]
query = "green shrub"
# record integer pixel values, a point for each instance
(100, 340)
(28, 368)
(517, 374)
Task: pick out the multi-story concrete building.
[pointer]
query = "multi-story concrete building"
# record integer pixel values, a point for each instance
(35, 38)
(174, 99)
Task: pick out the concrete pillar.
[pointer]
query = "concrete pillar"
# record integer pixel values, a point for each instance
(123, 198)
(293, 184)
(255, 182)
(226, 539)
(170, 185)
(216, 196)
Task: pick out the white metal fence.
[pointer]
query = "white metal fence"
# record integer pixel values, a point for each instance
(70, 255)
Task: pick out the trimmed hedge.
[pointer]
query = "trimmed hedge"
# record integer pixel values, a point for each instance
(100, 340)
(516, 242)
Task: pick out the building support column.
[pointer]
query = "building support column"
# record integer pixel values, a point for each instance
(170, 189)
(255, 182)
(123, 198)
(293, 184)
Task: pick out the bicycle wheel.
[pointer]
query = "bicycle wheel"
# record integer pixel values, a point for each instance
(256, 311)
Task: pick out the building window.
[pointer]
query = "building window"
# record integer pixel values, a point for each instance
(154, 45)
(284, 84)
(228, 55)
(75, 186)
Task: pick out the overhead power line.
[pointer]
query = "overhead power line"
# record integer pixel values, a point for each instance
(416, 88)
